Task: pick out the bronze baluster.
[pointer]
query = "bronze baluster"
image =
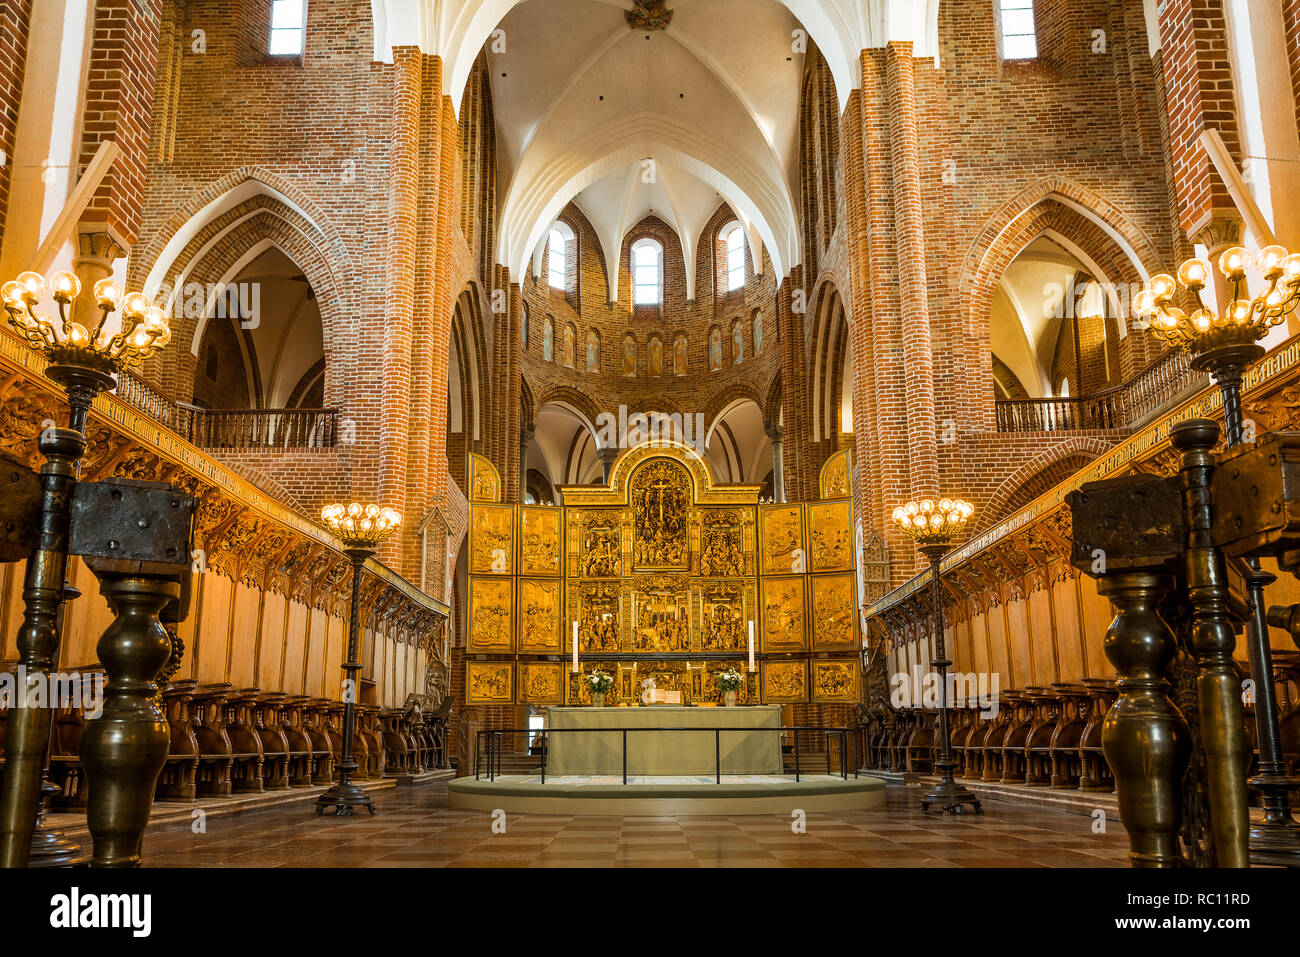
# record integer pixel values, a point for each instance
(1213, 638)
(1144, 737)
(125, 748)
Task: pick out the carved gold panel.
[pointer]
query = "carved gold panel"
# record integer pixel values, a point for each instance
(484, 480)
(833, 611)
(780, 536)
(660, 499)
(490, 604)
(489, 682)
(725, 546)
(542, 682)
(595, 606)
(784, 619)
(539, 616)
(578, 689)
(835, 679)
(724, 610)
(834, 478)
(491, 540)
(540, 551)
(595, 543)
(784, 681)
(830, 537)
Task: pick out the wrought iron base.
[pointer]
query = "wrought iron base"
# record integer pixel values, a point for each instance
(950, 796)
(343, 797)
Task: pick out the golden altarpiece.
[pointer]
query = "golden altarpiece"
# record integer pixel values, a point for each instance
(662, 570)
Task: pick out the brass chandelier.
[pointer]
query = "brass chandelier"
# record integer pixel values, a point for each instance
(1245, 319)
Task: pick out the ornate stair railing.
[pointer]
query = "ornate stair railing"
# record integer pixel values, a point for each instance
(1119, 407)
(233, 429)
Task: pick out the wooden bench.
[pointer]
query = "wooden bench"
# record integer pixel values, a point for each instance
(178, 779)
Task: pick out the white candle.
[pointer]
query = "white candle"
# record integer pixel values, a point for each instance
(575, 647)
(751, 646)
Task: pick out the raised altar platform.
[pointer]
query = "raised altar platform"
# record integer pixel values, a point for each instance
(666, 794)
(664, 740)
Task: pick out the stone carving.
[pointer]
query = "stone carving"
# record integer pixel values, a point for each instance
(649, 15)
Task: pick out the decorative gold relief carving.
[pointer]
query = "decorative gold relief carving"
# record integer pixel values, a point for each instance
(835, 679)
(830, 537)
(489, 682)
(541, 682)
(540, 631)
(833, 611)
(784, 617)
(723, 625)
(834, 479)
(661, 615)
(489, 614)
(722, 539)
(491, 539)
(784, 681)
(484, 480)
(781, 535)
(660, 500)
(539, 540)
(595, 608)
(596, 535)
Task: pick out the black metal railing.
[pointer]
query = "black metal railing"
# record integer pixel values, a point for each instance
(487, 746)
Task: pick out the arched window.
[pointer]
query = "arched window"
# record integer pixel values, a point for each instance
(557, 259)
(733, 241)
(647, 273)
(288, 24)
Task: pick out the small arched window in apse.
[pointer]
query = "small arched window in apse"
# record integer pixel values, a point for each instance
(557, 259)
(733, 239)
(647, 273)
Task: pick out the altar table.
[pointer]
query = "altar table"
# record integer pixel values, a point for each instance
(749, 742)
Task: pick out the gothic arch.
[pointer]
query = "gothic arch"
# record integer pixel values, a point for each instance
(1040, 474)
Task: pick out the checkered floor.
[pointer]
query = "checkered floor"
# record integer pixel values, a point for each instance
(415, 828)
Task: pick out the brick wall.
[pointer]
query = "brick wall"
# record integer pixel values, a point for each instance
(15, 16)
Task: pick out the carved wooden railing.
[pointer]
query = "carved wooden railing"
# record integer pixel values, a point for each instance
(263, 428)
(1120, 407)
(233, 429)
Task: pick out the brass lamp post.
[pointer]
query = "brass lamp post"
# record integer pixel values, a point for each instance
(1225, 344)
(360, 528)
(933, 525)
(84, 358)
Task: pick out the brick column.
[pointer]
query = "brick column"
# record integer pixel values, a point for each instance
(866, 475)
(794, 389)
(422, 373)
(118, 106)
(15, 19)
(918, 357)
(444, 299)
(394, 423)
(878, 267)
(1199, 96)
(513, 394)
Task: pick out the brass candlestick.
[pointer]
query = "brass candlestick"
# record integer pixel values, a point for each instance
(84, 362)
(1226, 344)
(361, 529)
(933, 525)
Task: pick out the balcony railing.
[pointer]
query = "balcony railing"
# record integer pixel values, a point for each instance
(233, 429)
(1120, 407)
